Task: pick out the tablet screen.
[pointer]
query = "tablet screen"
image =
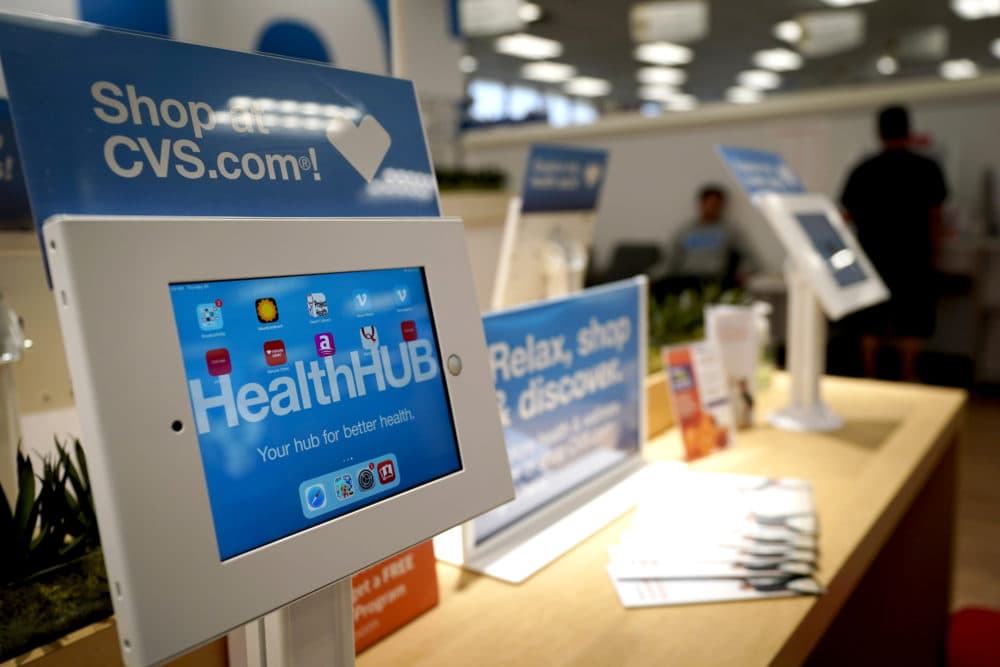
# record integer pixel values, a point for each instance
(838, 258)
(312, 397)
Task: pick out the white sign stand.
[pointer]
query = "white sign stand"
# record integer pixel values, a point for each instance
(316, 631)
(806, 359)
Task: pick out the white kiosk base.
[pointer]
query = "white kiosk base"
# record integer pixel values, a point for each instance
(806, 360)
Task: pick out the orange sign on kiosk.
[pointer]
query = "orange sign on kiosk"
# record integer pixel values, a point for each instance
(390, 594)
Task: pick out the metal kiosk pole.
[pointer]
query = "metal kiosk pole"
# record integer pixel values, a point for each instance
(316, 631)
(806, 360)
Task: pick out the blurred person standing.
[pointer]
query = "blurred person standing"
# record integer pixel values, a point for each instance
(710, 249)
(894, 201)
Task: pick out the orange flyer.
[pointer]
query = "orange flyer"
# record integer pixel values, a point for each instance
(700, 398)
(390, 594)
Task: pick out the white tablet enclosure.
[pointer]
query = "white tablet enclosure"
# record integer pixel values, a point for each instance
(825, 251)
(155, 310)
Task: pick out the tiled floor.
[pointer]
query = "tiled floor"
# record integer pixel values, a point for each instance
(977, 557)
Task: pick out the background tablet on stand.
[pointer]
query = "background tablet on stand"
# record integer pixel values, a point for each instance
(828, 275)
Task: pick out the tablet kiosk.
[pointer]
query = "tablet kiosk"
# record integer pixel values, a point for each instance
(269, 405)
(826, 268)
(825, 251)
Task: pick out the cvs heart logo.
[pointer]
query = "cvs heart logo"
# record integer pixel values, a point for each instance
(364, 146)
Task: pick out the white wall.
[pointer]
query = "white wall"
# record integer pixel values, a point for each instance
(657, 165)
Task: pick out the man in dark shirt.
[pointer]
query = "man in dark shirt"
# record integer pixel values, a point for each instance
(894, 200)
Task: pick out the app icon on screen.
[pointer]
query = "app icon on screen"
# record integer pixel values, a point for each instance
(324, 344)
(343, 485)
(369, 338)
(362, 301)
(267, 310)
(274, 353)
(386, 471)
(409, 328)
(402, 295)
(316, 302)
(316, 497)
(366, 479)
(210, 316)
(218, 362)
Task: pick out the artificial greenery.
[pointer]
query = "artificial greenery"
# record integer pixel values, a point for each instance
(53, 519)
(450, 180)
(52, 578)
(680, 318)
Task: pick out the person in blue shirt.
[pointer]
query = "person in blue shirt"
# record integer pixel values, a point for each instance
(711, 249)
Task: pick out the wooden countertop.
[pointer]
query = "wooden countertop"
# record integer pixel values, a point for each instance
(865, 477)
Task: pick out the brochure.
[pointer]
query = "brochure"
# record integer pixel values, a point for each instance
(733, 330)
(710, 537)
(699, 396)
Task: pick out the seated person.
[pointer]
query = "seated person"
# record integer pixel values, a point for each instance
(710, 249)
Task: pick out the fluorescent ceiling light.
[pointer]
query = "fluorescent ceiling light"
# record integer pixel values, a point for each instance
(670, 76)
(481, 18)
(847, 3)
(788, 31)
(740, 95)
(955, 70)
(759, 79)
(887, 65)
(777, 60)
(468, 64)
(828, 32)
(548, 72)
(658, 93)
(972, 10)
(682, 103)
(679, 21)
(529, 12)
(929, 43)
(529, 47)
(995, 48)
(587, 86)
(663, 53)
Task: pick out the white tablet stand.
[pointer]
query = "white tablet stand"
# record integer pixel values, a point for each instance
(806, 359)
(316, 631)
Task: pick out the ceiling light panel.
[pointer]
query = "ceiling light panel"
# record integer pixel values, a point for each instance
(930, 43)
(682, 103)
(670, 76)
(847, 3)
(778, 60)
(827, 33)
(740, 95)
(587, 86)
(679, 21)
(468, 64)
(788, 31)
(957, 70)
(529, 47)
(481, 18)
(529, 12)
(759, 79)
(548, 72)
(887, 65)
(663, 53)
(658, 93)
(973, 10)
